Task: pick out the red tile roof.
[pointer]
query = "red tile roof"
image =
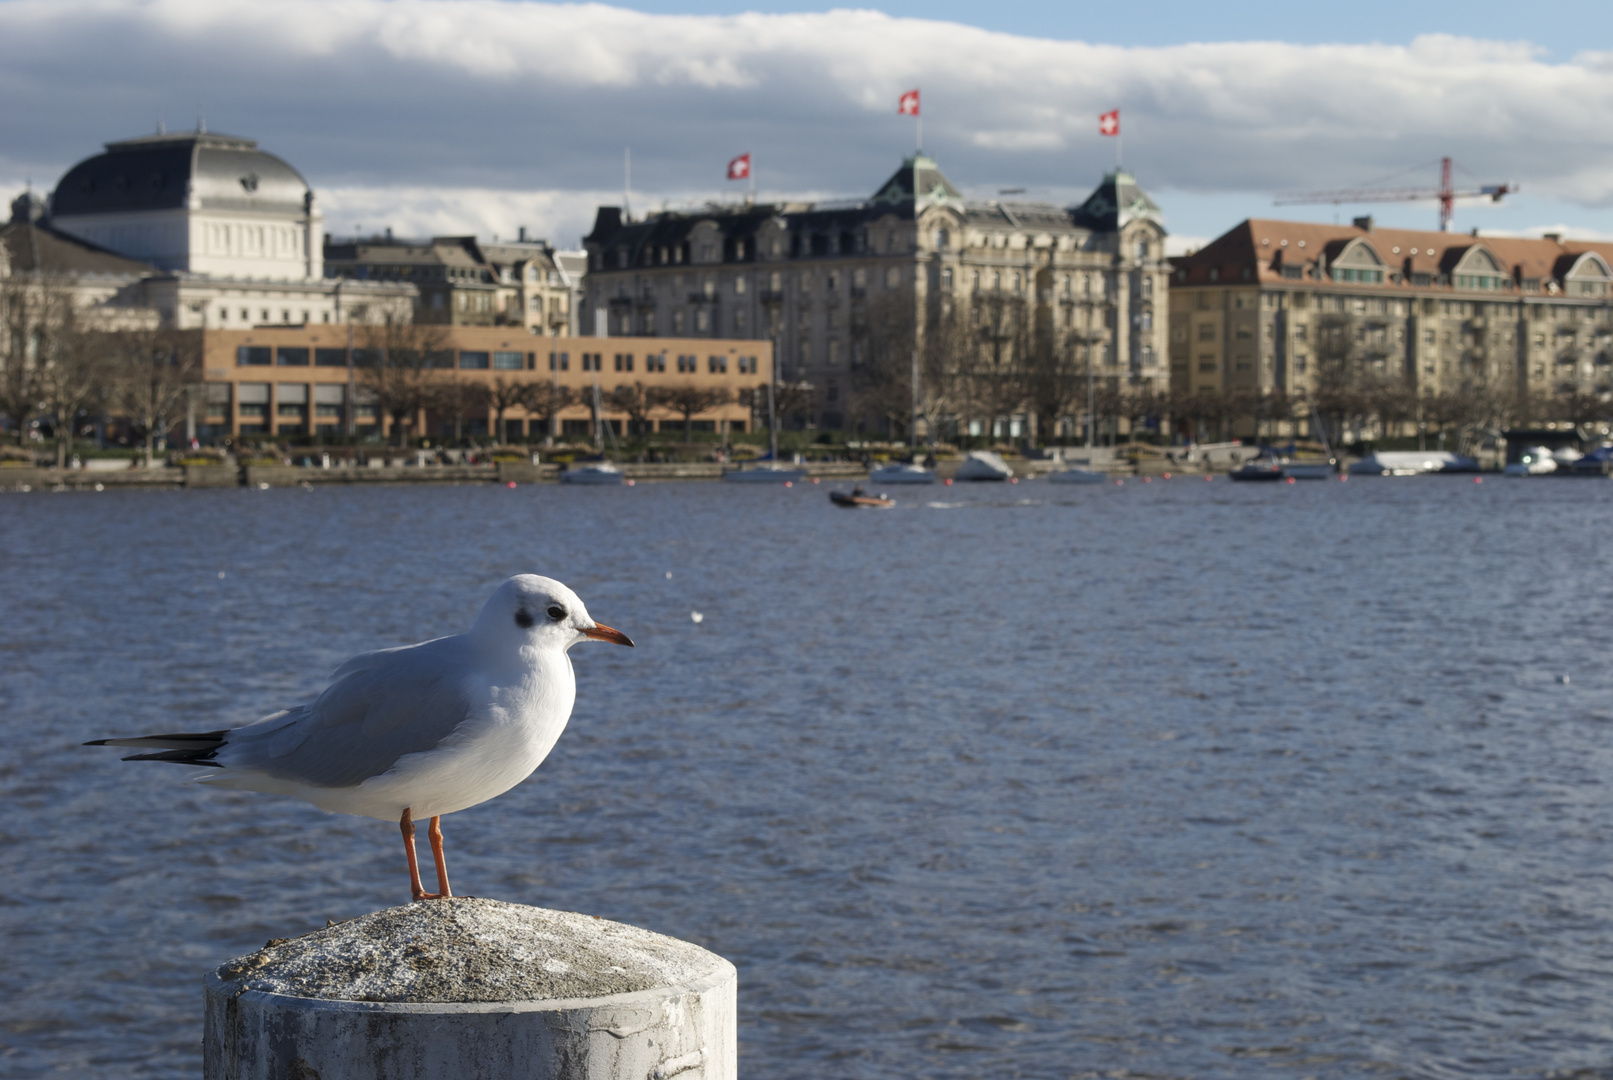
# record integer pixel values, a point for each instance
(1249, 252)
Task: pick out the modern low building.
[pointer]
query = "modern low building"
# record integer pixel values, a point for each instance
(293, 381)
(820, 280)
(463, 281)
(1289, 306)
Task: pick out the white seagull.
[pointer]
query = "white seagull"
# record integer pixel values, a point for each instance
(416, 731)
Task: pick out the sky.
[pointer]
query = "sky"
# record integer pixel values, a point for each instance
(481, 116)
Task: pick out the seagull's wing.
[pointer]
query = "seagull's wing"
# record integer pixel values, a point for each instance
(381, 706)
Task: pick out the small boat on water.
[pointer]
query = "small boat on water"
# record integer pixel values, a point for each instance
(898, 472)
(1078, 475)
(1412, 463)
(1308, 470)
(765, 473)
(1535, 461)
(858, 500)
(592, 472)
(1260, 468)
(983, 465)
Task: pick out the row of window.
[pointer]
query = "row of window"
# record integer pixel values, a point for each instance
(300, 356)
(654, 363)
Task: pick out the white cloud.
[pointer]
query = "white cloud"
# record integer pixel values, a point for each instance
(480, 114)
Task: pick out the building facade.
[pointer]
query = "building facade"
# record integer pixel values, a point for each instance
(310, 380)
(819, 280)
(233, 234)
(1294, 308)
(462, 281)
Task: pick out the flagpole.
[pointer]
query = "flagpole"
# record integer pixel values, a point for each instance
(919, 147)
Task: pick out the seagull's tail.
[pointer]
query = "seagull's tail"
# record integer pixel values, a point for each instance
(198, 748)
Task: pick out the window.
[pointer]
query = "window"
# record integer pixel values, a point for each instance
(254, 356)
(739, 284)
(508, 361)
(559, 361)
(440, 358)
(1361, 277)
(291, 400)
(253, 399)
(1206, 331)
(328, 401)
(655, 362)
(946, 277)
(702, 321)
(739, 322)
(1146, 320)
(593, 361)
(717, 365)
(1206, 364)
(687, 364)
(1142, 249)
(747, 365)
(472, 361)
(1148, 285)
(943, 239)
(624, 361)
(330, 357)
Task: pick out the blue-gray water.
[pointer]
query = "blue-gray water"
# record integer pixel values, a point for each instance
(1181, 779)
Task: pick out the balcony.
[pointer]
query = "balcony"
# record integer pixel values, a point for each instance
(702, 298)
(771, 296)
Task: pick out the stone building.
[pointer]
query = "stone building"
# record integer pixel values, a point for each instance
(463, 281)
(819, 279)
(1270, 305)
(232, 233)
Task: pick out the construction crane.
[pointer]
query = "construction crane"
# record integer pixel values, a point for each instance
(1445, 193)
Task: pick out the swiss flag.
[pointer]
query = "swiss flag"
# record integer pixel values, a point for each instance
(909, 104)
(1109, 123)
(739, 168)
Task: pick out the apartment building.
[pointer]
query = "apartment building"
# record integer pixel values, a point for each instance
(817, 279)
(463, 281)
(1282, 305)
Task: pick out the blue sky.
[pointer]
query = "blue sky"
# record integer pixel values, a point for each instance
(440, 116)
(1562, 32)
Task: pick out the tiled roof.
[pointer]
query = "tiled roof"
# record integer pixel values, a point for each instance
(32, 247)
(1256, 250)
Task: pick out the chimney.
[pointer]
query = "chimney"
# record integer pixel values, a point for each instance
(1363, 223)
(1554, 237)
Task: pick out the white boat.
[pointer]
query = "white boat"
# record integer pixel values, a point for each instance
(1079, 475)
(765, 473)
(593, 472)
(901, 473)
(1409, 463)
(1535, 461)
(1308, 470)
(983, 465)
(1566, 456)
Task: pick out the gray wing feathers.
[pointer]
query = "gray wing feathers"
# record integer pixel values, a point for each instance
(381, 706)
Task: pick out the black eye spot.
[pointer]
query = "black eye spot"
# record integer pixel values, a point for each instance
(522, 619)
(556, 612)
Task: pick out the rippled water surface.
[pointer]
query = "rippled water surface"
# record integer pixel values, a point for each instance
(1182, 779)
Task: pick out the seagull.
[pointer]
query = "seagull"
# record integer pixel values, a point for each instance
(417, 731)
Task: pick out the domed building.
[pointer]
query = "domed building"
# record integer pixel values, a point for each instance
(232, 234)
(198, 203)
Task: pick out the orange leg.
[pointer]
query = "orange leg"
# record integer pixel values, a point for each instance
(417, 890)
(435, 833)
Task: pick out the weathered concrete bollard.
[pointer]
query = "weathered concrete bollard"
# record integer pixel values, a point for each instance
(476, 989)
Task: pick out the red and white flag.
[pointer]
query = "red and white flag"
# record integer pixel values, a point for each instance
(1109, 123)
(909, 104)
(739, 168)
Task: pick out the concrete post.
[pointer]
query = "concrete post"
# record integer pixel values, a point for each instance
(470, 988)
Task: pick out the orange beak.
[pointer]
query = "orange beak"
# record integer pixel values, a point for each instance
(601, 632)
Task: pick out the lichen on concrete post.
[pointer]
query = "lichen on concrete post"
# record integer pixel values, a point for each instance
(475, 989)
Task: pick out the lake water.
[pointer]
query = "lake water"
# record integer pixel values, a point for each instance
(1178, 779)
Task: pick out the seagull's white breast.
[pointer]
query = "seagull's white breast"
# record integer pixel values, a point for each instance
(508, 731)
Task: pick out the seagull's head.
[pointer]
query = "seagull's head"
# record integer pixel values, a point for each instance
(532, 611)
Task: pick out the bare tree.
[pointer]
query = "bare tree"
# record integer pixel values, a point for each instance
(636, 400)
(689, 399)
(153, 374)
(505, 393)
(458, 401)
(546, 401)
(396, 366)
(66, 362)
(794, 401)
(29, 307)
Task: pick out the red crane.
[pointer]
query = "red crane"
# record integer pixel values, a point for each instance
(1445, 193)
